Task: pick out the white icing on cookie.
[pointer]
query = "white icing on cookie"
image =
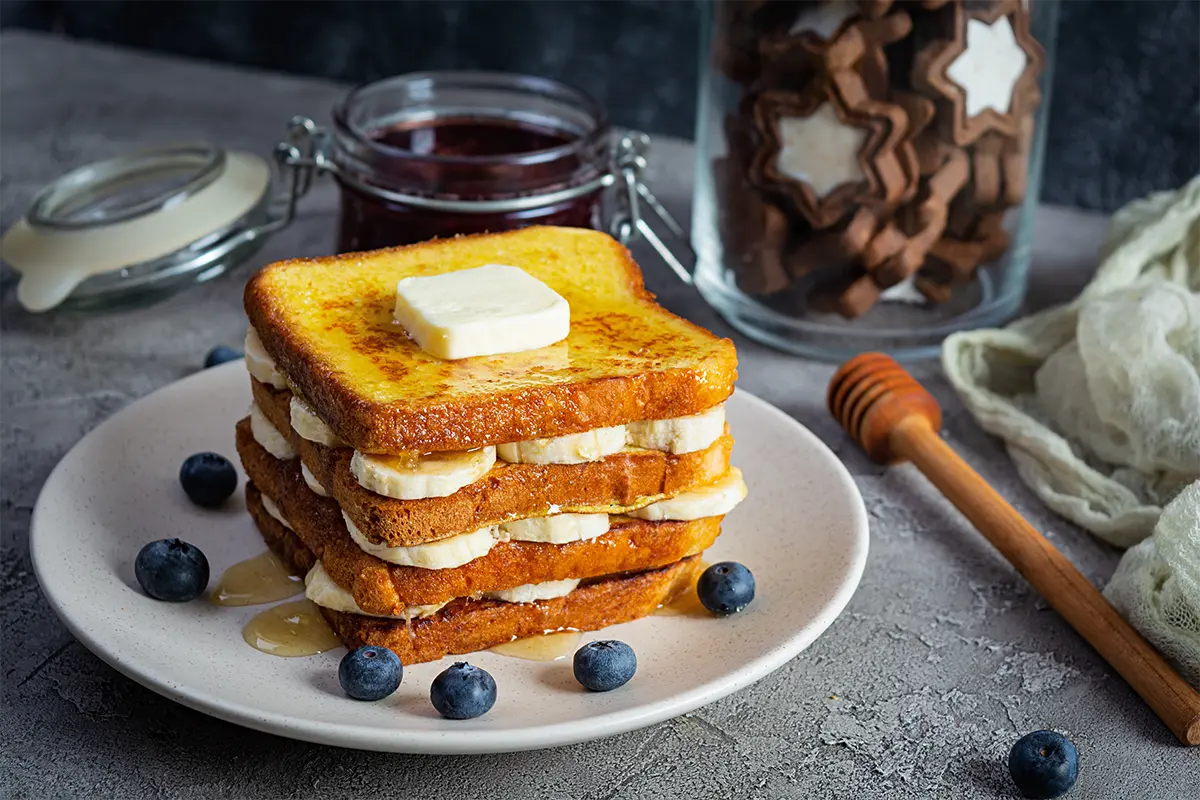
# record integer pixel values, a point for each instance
(820, 150)
(989, 68)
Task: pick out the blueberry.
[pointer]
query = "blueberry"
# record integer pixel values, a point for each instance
(725, 588)
(603, 666)
(172, 570)
(463, 691)
(1043, 764)
(220, 354)
(370, 673)
(208, 479)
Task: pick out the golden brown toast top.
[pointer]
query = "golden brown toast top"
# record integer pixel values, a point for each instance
(328, 324)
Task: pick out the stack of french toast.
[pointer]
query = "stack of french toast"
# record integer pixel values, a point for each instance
(440, 503)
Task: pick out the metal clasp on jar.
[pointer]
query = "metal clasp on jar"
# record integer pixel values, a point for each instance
(307, 151)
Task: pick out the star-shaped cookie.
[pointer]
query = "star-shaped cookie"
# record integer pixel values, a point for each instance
(924, 220)
(831, 148)
(792, 58)
(983, 74)
(840, 143)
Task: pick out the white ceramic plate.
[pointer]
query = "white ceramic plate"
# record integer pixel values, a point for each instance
(802, 531)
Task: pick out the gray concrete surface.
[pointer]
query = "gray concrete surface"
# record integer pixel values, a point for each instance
(942, 659)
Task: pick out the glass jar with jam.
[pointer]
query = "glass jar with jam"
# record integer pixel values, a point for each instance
(438, 154)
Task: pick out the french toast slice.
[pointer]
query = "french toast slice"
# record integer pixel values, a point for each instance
(327, 323)
(382, 588)
(621, 482)
(468, 625)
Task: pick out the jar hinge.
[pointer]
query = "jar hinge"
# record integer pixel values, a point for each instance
(629, 222)
(299, 156)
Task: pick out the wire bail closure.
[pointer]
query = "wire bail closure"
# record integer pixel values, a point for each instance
(629, 223)
(306, 151)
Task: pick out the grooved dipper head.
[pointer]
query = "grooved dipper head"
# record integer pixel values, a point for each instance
(870, 395)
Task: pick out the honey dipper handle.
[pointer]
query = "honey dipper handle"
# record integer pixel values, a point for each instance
(1072, 595)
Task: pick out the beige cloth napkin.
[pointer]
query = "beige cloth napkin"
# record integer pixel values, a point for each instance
(1098, 401)
(1157, 584)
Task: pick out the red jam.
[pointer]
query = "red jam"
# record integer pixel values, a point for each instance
(472, 136)
(464, 159)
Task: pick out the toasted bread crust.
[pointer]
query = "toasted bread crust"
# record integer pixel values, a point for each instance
(618, 483)
(382, 588)
(626, 359)
(467, 626)
(294, 554)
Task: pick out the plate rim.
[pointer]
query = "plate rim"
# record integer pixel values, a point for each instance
(473, 741)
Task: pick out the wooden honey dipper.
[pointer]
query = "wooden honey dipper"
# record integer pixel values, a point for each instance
(895, 419)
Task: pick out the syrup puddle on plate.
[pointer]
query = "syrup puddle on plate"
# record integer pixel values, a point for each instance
(262, 579)
(686, 604)
(290, 629)
(547, 647)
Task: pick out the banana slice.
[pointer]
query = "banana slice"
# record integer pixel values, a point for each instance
(260, 364)
(717, 498)
(681, 434)
(442, 554)
(415, 477)
(273, 511)
(269, 436)
(321, 589)
(311, 427)
(556, 529)
(575, 448)
(530, 592)
(311, 481)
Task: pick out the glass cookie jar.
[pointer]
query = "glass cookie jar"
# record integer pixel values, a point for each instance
(867, 172)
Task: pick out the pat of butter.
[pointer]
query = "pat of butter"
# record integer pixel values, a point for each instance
(481, 312)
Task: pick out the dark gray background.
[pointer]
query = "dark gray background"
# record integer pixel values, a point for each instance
(1126, 96)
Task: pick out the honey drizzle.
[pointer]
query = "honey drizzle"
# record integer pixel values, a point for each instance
(412, 460)
(687, 603)
(257, 580)
(290, 630)
(546, 647)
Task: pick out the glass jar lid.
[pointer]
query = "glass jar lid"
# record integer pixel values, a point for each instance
(136, 227)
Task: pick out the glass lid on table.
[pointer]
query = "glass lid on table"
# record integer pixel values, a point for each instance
(134, 228)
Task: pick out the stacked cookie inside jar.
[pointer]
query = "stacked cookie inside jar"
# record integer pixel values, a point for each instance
(876, 147)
